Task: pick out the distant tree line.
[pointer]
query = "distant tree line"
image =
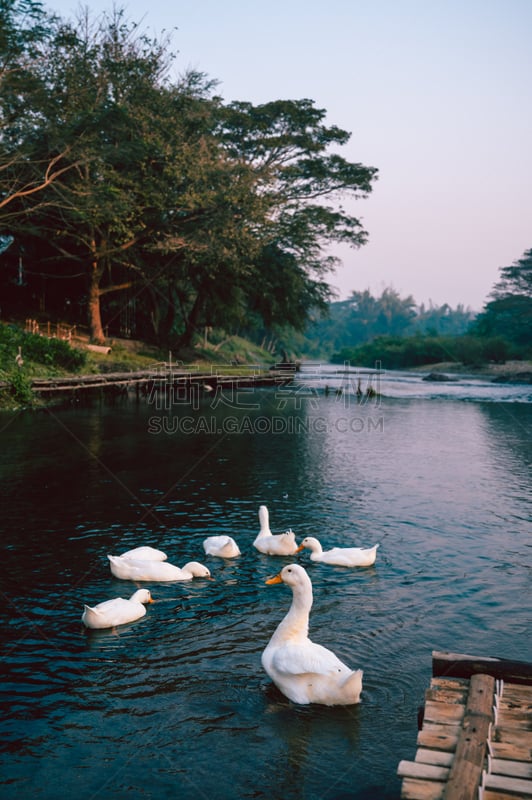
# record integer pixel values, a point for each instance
(144, 205)
(393, 331)
(364, 317)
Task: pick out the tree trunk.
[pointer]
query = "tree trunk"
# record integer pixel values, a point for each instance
(166, 324)
(185, 340)
(94, 312)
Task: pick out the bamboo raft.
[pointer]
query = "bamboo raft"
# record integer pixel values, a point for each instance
(475, 739)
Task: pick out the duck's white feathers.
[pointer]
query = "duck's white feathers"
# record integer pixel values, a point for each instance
(274, 544)
(222, 546)
(302, 670)
(340, 556)
(145, 553)
(117, 611)
(130, 569)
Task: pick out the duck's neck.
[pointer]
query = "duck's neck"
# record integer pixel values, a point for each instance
(264, 520)
(295, 624)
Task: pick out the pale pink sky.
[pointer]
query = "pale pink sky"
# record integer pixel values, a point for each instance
(437, 95)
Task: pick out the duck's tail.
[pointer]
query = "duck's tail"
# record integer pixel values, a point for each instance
(352, 687)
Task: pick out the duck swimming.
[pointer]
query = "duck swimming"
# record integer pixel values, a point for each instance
(222, 546)
(117, 611)
(132, 569)
(145, 553)
(303, 671)
(340, 556)
(278, 544)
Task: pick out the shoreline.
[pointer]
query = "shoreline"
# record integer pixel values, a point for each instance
(509, 372)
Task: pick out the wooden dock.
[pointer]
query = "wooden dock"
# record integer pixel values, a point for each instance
(475, 737)
(160, 380)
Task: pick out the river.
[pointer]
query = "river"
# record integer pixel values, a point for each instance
(176, 705)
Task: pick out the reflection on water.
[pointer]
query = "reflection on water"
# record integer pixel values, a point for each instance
(177, 704)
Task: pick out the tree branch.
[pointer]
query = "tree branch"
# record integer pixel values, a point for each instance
(50, 176)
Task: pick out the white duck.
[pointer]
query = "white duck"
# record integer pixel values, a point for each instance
(341, 556)
(278, 544)
(117, 611)
(303, 671)
(222, 546)
(145, 553)
(133, 569)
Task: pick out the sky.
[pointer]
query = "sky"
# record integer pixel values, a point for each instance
(436, 94)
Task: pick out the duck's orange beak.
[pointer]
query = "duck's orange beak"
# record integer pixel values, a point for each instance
(276, 579)
(300, 548)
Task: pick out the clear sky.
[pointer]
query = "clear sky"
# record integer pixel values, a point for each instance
(437, 94)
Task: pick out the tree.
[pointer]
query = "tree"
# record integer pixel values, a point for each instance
(157, 188)
(108, 105)
(25, 29)
(515, 279)
(442, 320)
(260, 228)
(361, 318)
(509, 314)
(286, 143)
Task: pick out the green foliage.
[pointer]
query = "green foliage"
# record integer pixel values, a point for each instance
(19, 388)
(161, 200)
(49, 352)
(508, 316)
(52, 352)
(394, 352)
(416, 351)
(515, 280)
(498, 349)
(441, 320)
(364, 317)
(502, 331)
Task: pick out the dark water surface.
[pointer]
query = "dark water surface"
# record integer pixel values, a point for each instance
(176, 705)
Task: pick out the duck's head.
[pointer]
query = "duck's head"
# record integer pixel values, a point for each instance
(198, 570)
(311, 542)
(292, 575)
(142, 596)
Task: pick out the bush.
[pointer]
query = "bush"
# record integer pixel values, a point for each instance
(497, 349)
(415, 351)
(19, 388)
(52, 352)
(40, 349)
(469, 350)
(400, 352)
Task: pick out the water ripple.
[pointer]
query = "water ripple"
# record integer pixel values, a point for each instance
(149, 708)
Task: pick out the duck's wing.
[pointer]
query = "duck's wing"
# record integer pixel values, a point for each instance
(139, 570)
(288, 535)
(349, 556)
(230, 548)
(340, 556)
(285, 543)
(294, 659)
(145, 552)
(212, 544)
